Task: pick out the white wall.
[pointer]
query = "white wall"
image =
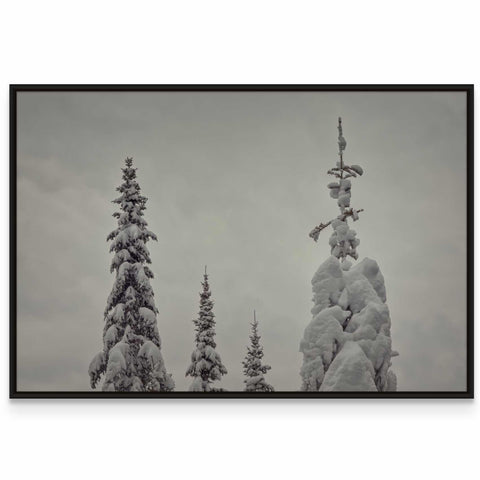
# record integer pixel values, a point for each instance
(234, 42)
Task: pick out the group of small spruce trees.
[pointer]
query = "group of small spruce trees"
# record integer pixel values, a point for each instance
(131, 359)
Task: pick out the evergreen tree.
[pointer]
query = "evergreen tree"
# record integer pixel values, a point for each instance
(347, 345)
(131, 359)
(206, 365)
(252, 365)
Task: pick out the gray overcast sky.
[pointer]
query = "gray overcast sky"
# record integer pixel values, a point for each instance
(236, 181)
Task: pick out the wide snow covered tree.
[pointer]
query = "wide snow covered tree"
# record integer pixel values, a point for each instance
(131, 360)
(252, 365)
(206, 365)
(347, 346)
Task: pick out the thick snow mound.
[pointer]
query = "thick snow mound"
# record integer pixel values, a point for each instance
(257, 383)
(371, 271)
(149, 351)
(360, 292)
(96, 368)
(327, 284)
(324, 333)
(147, 315)
(350, 371)
(110, 337)
(116, 366)
(349, 334)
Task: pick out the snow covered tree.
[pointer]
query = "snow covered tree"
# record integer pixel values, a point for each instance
(206, 365)
(252, 365)
(347, 346)
(343, 241)
(131, 360)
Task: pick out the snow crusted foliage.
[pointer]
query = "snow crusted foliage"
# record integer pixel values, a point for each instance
(206, 366)
(347, 346)
(131, 359)
(252, 365)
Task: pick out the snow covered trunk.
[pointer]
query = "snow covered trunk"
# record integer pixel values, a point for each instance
(347, 345)
(206, 365)
(253, 368)
(131, 359)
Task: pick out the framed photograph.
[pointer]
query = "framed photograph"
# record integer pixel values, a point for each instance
(245, 241)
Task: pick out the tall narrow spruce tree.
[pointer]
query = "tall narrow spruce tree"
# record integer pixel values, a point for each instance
(347, 346)
(131, 359)
(252, 365)
(206, 365)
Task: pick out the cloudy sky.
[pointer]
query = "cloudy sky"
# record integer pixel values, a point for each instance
(236, 181)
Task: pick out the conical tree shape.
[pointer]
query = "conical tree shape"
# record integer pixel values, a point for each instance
(206, 366)
(131, 359)
(252, 365)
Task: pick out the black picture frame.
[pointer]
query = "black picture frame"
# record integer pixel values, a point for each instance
(468, 89)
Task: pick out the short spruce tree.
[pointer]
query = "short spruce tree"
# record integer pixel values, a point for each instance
(252, 365)
(131, 359)
(206, 365)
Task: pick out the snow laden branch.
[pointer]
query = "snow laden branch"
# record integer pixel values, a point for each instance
(131, 359)
(253, 368)
(347, 213)
(343, 241)
(206, 365)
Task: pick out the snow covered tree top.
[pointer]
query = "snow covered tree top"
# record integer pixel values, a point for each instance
(253, 368)
(347, 346)
(131, 359)
(343, 241)
(131, 234)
